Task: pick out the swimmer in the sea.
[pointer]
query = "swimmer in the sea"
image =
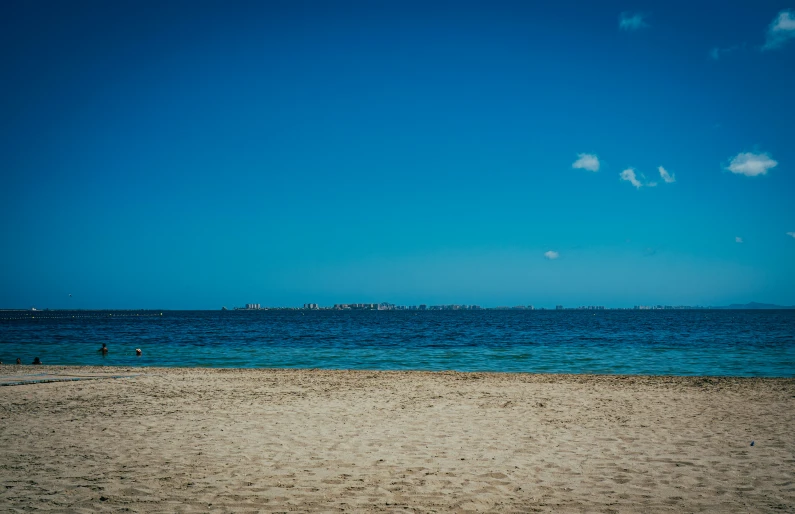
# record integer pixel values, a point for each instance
(37, 361)
(104, 348)
(138, 352)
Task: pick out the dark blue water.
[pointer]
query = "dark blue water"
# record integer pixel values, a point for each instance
(698, 342)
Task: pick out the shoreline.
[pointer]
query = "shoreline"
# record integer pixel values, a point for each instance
(142, 369)
(314, 440)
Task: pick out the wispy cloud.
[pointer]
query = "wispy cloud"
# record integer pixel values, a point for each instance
(791, 234)
(718, 52)
(751, 164)
(668, 178)
(551, 255)
(629, 175)
(586, 161)
(639, 180)
(632, 21)
(781, 30)
(738, 239)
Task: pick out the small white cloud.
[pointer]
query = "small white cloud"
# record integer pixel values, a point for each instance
(738, 239)
(781, 30)
(791, 234)
(586, 161)
(651, 184)
(629, 175)
(551, 255)
(632, 21)
(667, 177)
(751, 164)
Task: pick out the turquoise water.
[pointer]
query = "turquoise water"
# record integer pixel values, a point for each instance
(698, 342)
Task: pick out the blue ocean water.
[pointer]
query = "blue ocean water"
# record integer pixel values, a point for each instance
(696, 342)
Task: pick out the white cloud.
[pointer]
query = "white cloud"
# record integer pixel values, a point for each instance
(751, 164)
(551, 255)
(651, 184)
(668, 178)
(629, 175)
(781, 29)
(791, 234)
(586, 161)
(632, 21)
(738, 239)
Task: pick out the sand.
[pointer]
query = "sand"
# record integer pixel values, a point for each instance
(194, 440)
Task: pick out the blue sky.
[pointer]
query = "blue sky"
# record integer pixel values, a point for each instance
(198, 154)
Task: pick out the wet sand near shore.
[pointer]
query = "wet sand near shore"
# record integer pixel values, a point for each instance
(244, 440)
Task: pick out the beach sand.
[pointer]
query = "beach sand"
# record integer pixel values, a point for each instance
(199, 440)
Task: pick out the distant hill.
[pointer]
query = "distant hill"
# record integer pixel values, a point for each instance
(755, 305)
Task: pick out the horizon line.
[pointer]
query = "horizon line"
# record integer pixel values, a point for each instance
(384, 306)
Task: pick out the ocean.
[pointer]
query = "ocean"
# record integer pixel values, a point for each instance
(692, 342)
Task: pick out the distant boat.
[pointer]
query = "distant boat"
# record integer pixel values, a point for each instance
(224, 309)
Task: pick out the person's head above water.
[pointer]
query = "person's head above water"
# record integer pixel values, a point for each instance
(138, 352)
(104, 348)
(19, 361)
(36, 361)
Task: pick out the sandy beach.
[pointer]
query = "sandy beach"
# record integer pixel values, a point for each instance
(199, 440)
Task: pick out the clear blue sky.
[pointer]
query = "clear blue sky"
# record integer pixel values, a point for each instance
(199, 154)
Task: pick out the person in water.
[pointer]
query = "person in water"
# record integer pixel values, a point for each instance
(37, 361)
(138, 352)
(104, 348)
(19, 361)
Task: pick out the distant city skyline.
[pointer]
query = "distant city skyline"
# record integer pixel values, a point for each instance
(192, 154)
(385, 306)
